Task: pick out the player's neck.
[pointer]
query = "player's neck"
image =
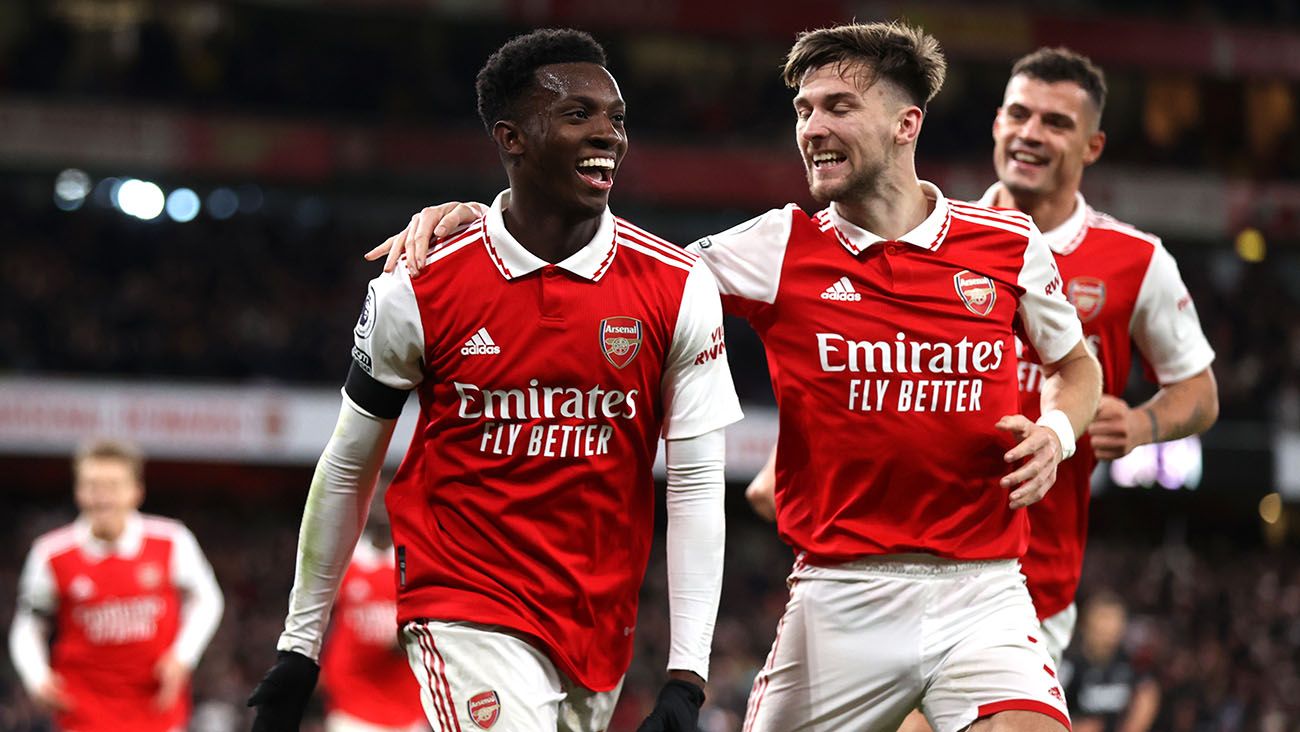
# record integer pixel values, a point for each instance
(108, 530)
(1048, 212)
(550, 235)
(890, 210)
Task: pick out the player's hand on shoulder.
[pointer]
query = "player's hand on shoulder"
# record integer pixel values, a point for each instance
(425, 227)
(1113, 431)
(282, 694)
(1040, 450)
(677, 709)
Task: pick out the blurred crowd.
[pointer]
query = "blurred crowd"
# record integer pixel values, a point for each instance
(1217, 627)
(400, 66)
(94, 293)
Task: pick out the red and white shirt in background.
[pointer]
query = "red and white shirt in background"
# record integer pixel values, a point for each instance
(892, 361)
(117, 608)
(1127, 290)
(364, 671)
(526, 498)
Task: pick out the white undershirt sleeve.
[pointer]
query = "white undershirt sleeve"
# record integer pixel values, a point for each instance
(337, 505)
(203, 603)
(696, 538)
(29, 634)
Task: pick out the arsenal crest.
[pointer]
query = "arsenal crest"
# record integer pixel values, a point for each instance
(1087, 295)
(149, 575)
(484, 708)
(976, 291)
(620, 339)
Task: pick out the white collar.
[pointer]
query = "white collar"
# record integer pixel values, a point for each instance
(126, 546)
(928, 234)
(513, 260)
(1067, 236)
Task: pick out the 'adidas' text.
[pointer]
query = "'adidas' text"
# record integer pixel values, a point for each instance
(480, 345)
(842, 291)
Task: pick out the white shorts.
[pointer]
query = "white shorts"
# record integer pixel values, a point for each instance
(1058, 629)
(476, 677)
(337, 721)
(862, 644)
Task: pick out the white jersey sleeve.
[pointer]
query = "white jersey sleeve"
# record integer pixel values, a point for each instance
(1165, 326)
(389, 336)
(201, 612)
(29, 634)
(698, 394)
(746, 260)
(1050, 321)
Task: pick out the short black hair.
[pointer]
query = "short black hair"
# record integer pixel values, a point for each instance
(509, 71)
(1061, 64)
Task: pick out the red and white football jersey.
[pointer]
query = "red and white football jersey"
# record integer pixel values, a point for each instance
(1126, 288)
(117, 609)
(526, 499)
(364, 671)
(892, 361)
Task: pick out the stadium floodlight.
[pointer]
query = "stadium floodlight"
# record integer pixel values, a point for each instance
(70, 189)
(140, 198)
(222, 203)
(182, 205)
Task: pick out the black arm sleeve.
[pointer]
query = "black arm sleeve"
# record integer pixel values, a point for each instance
(383, 401)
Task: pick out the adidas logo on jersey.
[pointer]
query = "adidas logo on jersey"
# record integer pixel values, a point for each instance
(481, 344)
(842, 290)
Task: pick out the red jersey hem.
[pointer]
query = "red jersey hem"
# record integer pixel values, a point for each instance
(1023, 705)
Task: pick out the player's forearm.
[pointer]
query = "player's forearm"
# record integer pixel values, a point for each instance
(696, 539)
(1142, 709)
(332, 520)
(1180, 409)
(28, 648)
(1073, 386)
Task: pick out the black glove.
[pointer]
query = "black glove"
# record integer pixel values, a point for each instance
(281, 696)
(676, 710)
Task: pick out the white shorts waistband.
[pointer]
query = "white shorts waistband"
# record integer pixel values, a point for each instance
(906, 565)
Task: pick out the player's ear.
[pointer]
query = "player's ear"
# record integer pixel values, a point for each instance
(1096, 143)
(908, 124)
(509, 137)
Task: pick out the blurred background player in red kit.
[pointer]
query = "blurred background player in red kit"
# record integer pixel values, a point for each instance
(129, 598)
(364, 673)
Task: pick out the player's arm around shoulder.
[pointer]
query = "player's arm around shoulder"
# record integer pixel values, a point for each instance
(746, 259)
(425, 227)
